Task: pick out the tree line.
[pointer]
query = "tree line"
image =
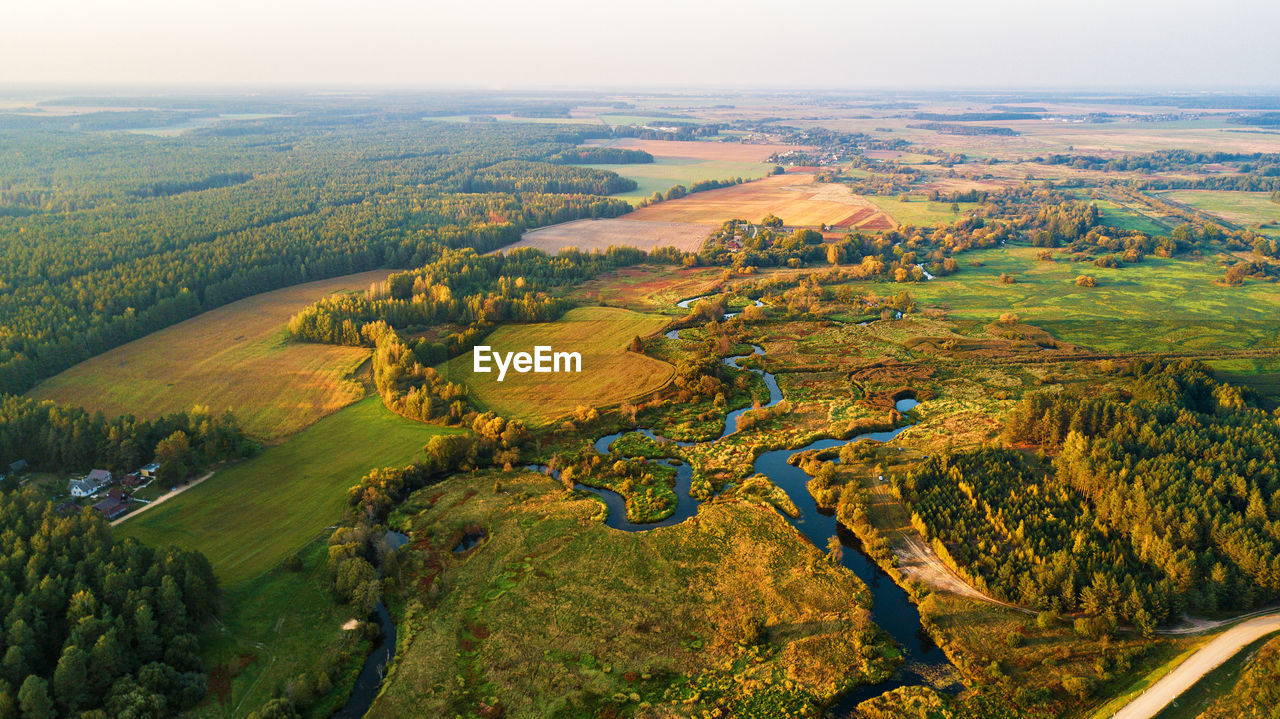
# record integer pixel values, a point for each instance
(60, 438)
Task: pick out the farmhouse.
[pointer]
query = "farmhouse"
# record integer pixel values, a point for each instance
(114, 505)
(87, 485)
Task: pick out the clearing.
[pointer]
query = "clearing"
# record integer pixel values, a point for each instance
(1157, 305)
(702, 150)
(235, 357)
(1245, 209)
(919, 211)
(610, 373)
(687, 162)
(646, 288)
(599, 234)
(797, 197)
(248, 517)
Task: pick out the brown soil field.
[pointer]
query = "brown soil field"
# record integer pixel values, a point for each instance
(235, 357)
(725, 151)
(795, 197)
(590, 235)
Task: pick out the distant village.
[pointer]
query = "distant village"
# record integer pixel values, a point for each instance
(118, 498)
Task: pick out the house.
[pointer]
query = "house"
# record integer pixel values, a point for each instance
(114, 505)
(132, 479)
(150, 471)
(81, 487)
(67, 507)
(87, 485)
(17, 467)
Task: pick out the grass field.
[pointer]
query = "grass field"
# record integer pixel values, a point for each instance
(919, 211)
(235, 357)
(248, 517)
(795, 197)
(666, 172)
(1245, 209)
(610, 374)
(1262, 374)
(687, 162)
(1122, 218)
(701, 149)
(599, 234)
(555, 615)
(286, 624)
(649, 287)
(1156, 305)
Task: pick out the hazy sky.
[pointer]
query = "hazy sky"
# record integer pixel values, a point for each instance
(645, 43)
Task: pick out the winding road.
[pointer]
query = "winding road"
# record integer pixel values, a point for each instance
(1206, 659)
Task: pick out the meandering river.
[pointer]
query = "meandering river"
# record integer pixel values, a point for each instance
(892, 609)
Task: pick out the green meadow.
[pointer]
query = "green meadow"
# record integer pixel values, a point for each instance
(1120, 217)
(1159, 304)
(249, 517)
(665, 172)
(919, 211)
(1246, 209)
(287, 622)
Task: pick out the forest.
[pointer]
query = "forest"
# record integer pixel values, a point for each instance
(1154, 499)
(95, 627)
(118, 254)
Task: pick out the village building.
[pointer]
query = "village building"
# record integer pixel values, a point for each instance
(150, 471)
(90, 483)
(115, 505)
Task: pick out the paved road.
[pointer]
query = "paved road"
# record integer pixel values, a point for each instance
(1206, 659)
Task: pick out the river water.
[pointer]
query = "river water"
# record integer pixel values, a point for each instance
(892, 609)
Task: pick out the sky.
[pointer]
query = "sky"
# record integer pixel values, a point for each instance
(563, 44)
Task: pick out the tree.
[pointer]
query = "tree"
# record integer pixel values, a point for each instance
(1086, 281)
(174, 455)
(33, 699)
(69, 679)
(835, 550)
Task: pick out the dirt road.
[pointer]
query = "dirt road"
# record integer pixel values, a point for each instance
(161, 499)
(1208, 658)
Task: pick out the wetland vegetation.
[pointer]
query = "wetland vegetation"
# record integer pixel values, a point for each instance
(930, 422)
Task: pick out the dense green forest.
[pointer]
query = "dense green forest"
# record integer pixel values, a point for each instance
(96, 628)
(1161, 497)
(49, 436)
(100, 248)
